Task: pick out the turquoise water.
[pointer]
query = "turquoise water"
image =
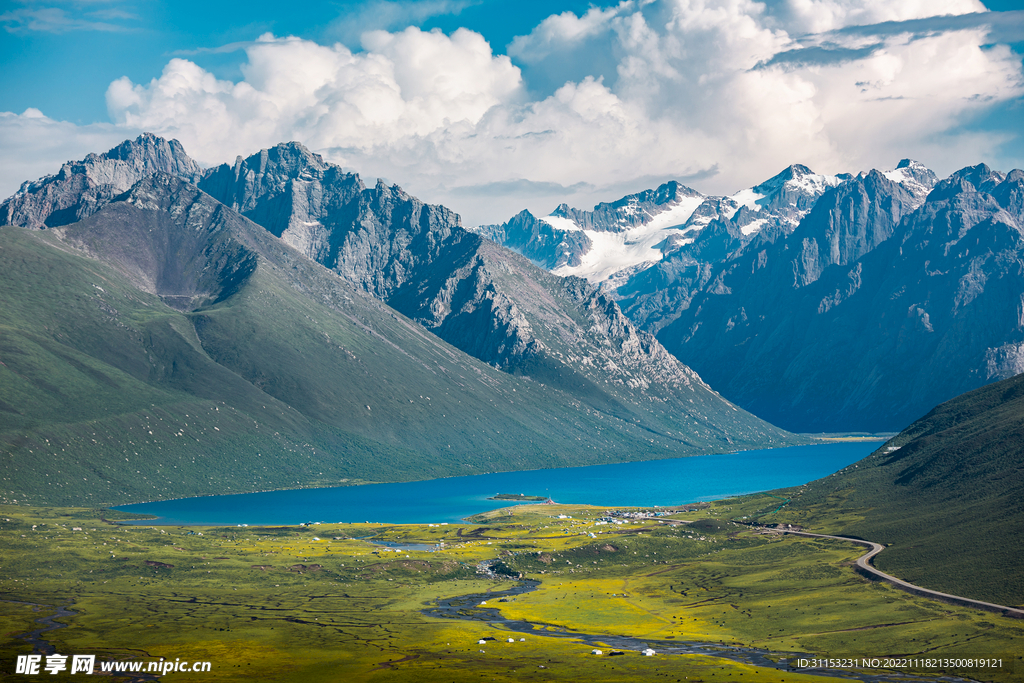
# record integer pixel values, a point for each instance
(655, 482)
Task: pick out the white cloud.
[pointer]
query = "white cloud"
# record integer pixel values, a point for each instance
(560, 31)
(34, 145)
(910, 90)
(405, 86)
(694, 86)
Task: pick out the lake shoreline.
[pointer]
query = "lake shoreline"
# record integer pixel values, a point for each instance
(664, 483)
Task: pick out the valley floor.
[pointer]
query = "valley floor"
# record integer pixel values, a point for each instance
(324, 603)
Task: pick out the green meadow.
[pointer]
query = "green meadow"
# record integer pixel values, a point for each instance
(324, 603)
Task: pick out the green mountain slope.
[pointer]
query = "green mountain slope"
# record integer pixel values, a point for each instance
(946, 495)
(165, 346)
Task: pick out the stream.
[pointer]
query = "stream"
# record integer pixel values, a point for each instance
(468, 607)
(41, 646)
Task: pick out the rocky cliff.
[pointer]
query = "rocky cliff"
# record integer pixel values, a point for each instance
(81, 188)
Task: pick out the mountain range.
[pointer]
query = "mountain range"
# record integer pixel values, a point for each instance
(271, 323)
(820, 303)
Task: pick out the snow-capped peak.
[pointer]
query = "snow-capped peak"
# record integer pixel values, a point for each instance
(629, 233)
(787, 197)
(914, 177)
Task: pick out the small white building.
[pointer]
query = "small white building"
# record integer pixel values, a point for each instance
(596, 652)
(649, 652)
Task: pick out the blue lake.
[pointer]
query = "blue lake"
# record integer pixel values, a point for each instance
(654, 482)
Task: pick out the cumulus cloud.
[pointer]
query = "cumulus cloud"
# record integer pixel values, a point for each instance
(562, 31)
(405, 86)
(34, 145)
(725, 93)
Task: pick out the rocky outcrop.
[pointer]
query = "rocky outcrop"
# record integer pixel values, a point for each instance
(547, 246)
(82, 188)
(373, 236)
(289, 191)
(848, 223)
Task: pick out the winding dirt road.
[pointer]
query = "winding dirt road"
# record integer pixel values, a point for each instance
(864, 567)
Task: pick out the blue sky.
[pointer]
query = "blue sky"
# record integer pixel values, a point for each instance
(62, 62)
(491, 106)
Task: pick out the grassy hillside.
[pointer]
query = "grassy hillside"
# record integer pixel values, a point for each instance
(946, 495)
(106, 395)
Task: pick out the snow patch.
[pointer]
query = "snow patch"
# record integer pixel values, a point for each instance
(753, 227)
(809, 184)
(905, 179)
(677, 215)
(631, 249)
(560, 223)
(899, 175)
(814, 184)
(748, 198)
(611, 252)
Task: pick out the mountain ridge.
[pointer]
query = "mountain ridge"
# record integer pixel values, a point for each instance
(782, 296)
(418, 259)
